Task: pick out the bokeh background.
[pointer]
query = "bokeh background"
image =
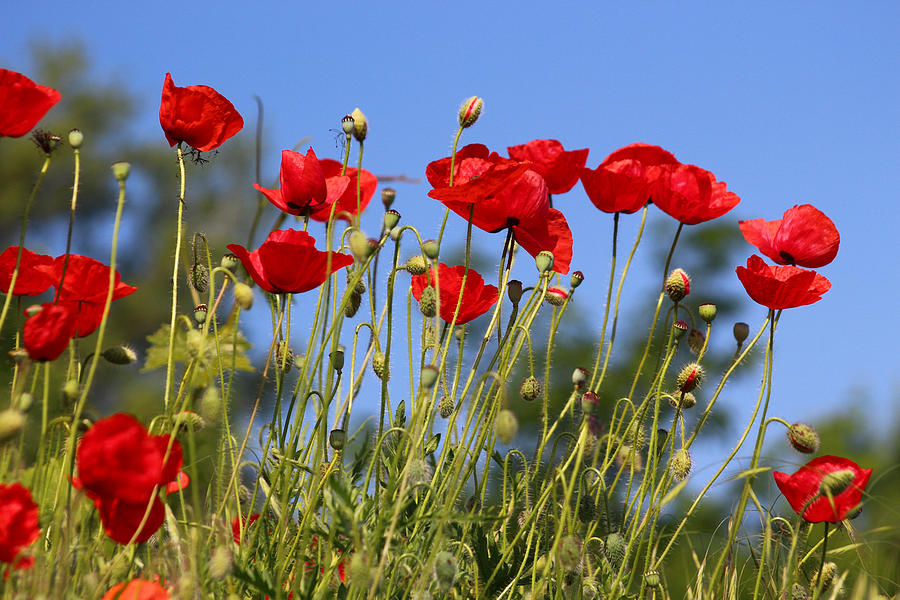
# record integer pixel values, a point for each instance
(788, 103)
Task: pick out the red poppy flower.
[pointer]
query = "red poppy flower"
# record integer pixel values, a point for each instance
(288, 262)
(559, 168)
(691, 194)
(477, 298)
(304, 186)
(346, 202)
(197, 115)
(781, 287)
(85, 287)
(180, 482)
(501, 193)
(805, 492)
(18, 524)
(22, 103)
(803, 237)
(622, 182)
(34, 276)
(239, 524)
(137, 589)
(47, 333)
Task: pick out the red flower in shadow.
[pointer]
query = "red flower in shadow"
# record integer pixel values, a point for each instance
(808, 496)
(288, 262)
(559, 168)
(47, 333)
(34, 276)
(622, 182)
(304, 187)
(121, 467)
(22, 103)
(197, 115)
(346, 202)
(691, 194)
(85, 288)
(137, 589)
(781, 287)
(501, 193)
(477, 298)
(803, 237)
(18, 524)
(241, 524)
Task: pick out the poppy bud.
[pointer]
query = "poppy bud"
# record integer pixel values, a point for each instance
(651, 579)
(576, 279)
(229, 261)
(284, 355)
(119, 355)
(360, 125)
(11, 423)
(243, 295)
(568, 554)
(24, 402)
(187, 420)
(803, 438)
(416, 265)
(429, 376)
(682, 400)
(689, 378)
(388, 195)
(798, 592)
(544, 261)
(431, 249)
(615, 548)
(347, 124)
(531, 389)
(337, 359)
(359, 245)
(380, 366)
(470, 111)
(506, 426)
(70, 390)
(445, 570)
(391, 218)
(352, 305)
(556, 296)
(741, 331)
(589, 401)
(428, 302)
(826, 577)
(679, 328)
(195, 342)
(678, 285)
(836, 482)
(121, 170)
(579, 377)
(337, 438)
(359, 287)
(707, 312)
(210, 408)
(200, 313)
(514, 290)
(445, 406)
(220, 563)
(696, 339)
(680, 464)
(76, 138)
(199, 278)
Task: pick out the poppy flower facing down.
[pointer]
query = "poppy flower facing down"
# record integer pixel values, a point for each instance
(804, 237)
(477, 298)
(137, 589)
(47, 333)
(691, 194)
(288, 262)
(22, 103)
(808, 489)
(34, 276)
(84, 289)
(559, 168)
(622, 182)
(197, 115)
(18, 524)
(120, 468)
(781, 287)
(346, 201)
(304, 187)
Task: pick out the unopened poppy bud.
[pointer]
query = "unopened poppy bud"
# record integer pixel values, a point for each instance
(707, 312)
(556, 296)
(428, 302)
(199, 278)
(429, 376)
(836, 482)
(568, 554)
(506, 426)
(360, 125)
(24, 402)
(696, 339)
(195, 343)
(679, 328)
(798, 592)
(70, 390)
(337, 359)
(284, 355)
(826, 578)
(380, 366)
(119, 355)
(680, 464)
(544, 261)
(589, 402)
(359, 245)
(210, 408)
(359, 287)
(615, 549)
(689, 378)
(220, 563)
(121, 170)
(200, 313)
(76, 138)
(514, 290)
(431, 249)
(579, 377)
(531, 389)
(470, 111)
(243, 295)
(682, 400)
(353, 304)
(347, 124)
(11, 423)
(741, 331)
(229, 261)
(651, 578)
(576, 279)
(416, 265)
(337, 438)
(803, 438)
(445, 406)
(391, 218)
(445, 570)
(678, 285)
(388, 195)
(187, 420)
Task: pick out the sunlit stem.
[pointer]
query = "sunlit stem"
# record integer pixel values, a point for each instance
(170, 362)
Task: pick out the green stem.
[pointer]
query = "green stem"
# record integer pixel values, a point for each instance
(170, 361)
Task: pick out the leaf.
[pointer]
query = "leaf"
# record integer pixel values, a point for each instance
(232, 348)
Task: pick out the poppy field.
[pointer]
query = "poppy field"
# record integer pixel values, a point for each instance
(380, 447)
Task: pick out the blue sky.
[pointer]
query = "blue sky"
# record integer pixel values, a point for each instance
(789, 104)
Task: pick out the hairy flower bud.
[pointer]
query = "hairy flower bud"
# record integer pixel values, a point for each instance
(470, 110)
(531, 389)
(380, 366)
(359, 245)
(506, 426)
(429, 376)
(445, 406)
(199, 278)
(680, 464)
(556, 296)
(689, 378)
(210, 408)
(445, 569)
(836, 482)
(11, 423)
(284, 355)
(682, 400)
(428, 302)
(353, 304)
(243, 295)
(119, 355)
(568, 554)
(803, 438)
(70, 390)
(614, 549)
(220, 562)
(416, 265)
(678, 285)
